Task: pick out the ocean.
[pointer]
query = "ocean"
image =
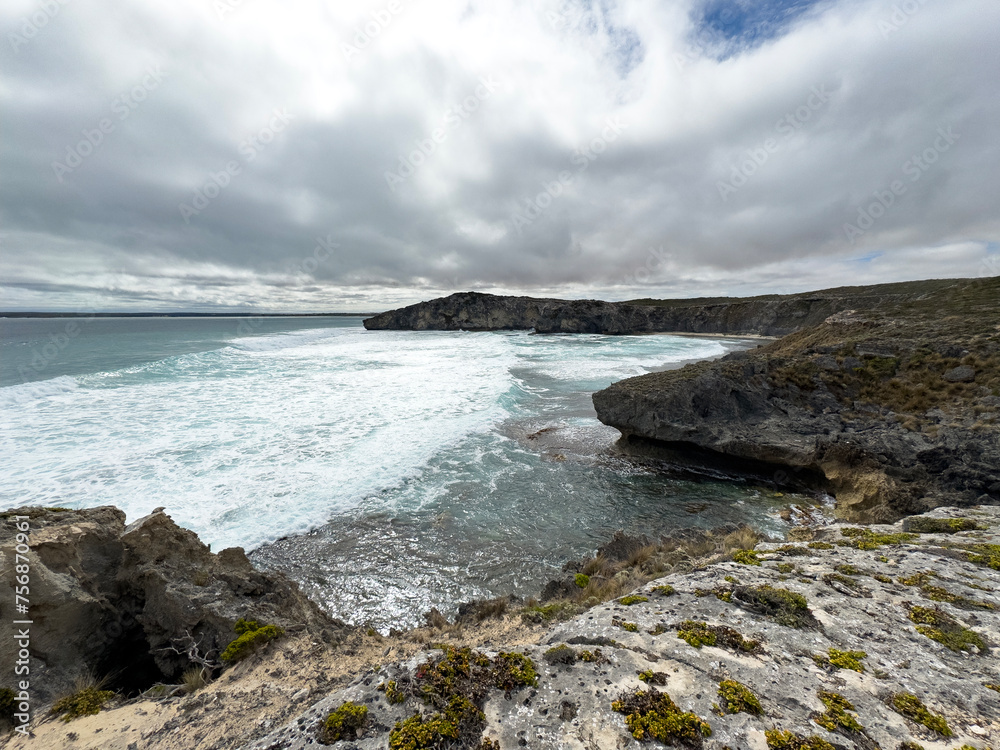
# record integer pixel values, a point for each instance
(387, 471)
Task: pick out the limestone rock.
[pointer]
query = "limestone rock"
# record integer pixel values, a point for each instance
(871, 432)
(107, 599)
(861, 586)
(769, 315)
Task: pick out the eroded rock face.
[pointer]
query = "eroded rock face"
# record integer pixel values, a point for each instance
(110, 600)
(861, 637)
(866, 406)
(772, 315)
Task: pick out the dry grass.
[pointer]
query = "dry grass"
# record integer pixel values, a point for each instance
(194, 679)
(610, 579)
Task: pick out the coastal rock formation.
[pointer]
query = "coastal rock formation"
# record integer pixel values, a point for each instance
(769, 315)
(892, 410)
(108, 599)
(862, 638)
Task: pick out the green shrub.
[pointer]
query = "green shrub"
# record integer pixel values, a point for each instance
(392, 692)
(737, 697)
(836, 717)
(628, 601)
(582, 580)
(842, 659)
(344, 722)
(946, 630)
(913, 708)
(653, 715)
(778, 739)
(561, 654)
(251, 636)
(746, 557)
(85, 702)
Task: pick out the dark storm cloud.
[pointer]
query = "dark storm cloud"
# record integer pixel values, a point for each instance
(165, 156)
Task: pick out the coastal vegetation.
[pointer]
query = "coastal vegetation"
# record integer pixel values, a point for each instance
(251, 636)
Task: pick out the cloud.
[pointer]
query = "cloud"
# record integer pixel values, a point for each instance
(750, 137)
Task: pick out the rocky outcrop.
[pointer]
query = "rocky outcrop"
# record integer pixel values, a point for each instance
(858, 639)
(112, 600)
(770, 315)
(893, 411)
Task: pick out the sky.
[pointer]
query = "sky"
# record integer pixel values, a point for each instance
(214, 155)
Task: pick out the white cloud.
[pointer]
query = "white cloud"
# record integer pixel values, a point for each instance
(564, 69)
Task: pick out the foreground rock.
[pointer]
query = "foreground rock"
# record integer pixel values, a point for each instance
(893, 410)
(768, 315)
(866, 638)
(114, 600)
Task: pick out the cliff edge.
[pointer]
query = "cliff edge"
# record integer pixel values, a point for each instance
(893, 409)
(768, 315)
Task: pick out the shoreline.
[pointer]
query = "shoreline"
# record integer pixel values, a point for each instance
(857, 586)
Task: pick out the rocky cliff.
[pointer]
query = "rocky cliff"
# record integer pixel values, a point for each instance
(770, 315)
(893, 409)
(848, 638)
(861, 639)
(127, 602)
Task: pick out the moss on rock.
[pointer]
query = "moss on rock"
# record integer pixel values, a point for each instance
(778, 739)
(738, 698)
(392, 692)
(746, 557)
(946, 630)
(783, 606)
(628, 601)
(913, 708)
(455, 686)
(921, 525)
(866, 539)
(841, 659)
(700, 634)
(836, 716)
(347, 721)
(652, 715)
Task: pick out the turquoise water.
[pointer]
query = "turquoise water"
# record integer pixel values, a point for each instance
(387, 471)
